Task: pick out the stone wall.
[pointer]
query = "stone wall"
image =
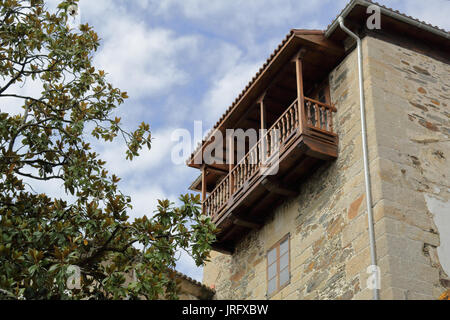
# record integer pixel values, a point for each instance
(407, 119)
(410, 95)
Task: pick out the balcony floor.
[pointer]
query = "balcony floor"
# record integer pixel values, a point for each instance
(252, 204)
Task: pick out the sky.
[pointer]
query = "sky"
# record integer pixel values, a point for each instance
(187, 60)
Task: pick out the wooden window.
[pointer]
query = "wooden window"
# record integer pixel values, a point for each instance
(278, 266)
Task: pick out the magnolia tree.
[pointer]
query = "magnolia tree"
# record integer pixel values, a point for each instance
(42, 238)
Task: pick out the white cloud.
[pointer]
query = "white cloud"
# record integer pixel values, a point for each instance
(29, 88)
(143, 61)
(114, 155)
(226, 88)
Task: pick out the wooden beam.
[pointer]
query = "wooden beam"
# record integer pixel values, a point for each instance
(244, 116)
(231, 156)
(300, 93)
(318, 41)
(211, 168)
(277, 188)
(262, 110)
(247, 224)
(203, 188)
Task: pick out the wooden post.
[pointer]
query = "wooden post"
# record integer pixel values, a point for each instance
(203, 188)
(263, 111)
(231, 163)
(263, 147)
(300, 93)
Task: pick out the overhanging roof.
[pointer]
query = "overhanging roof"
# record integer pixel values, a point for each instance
(355, 11)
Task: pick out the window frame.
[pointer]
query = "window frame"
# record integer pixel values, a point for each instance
(277, 246)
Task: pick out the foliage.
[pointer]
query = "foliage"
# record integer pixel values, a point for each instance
(41, 237)
(445, 295)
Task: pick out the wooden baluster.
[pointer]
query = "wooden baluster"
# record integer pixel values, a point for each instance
(330, 120)
(292, 119)
(219, 194)
(227, 189)
(289, 115)
(321, 117)
(211, 213)
(238, 173)
(308, 111)
(212, 203)
(223, 192)
(295, 114)
(316, 108)
(217, 200)
(251, 162)
(246, 167)
(241, 171)
(288, 121)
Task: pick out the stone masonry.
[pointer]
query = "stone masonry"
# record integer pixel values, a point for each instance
(408, 122)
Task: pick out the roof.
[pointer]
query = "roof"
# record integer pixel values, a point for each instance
(384, 10)
(209, 292)
(327, 33)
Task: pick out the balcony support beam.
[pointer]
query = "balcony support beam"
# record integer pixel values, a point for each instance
(276, 187)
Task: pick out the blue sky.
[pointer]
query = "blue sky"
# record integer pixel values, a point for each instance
(187, 60)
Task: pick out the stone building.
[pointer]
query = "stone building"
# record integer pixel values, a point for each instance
(303, 231)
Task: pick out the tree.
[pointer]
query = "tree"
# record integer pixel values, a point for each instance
(42, 238)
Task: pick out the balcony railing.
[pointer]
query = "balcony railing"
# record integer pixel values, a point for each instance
(315, 115)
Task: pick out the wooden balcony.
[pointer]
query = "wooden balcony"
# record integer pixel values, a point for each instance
(272, 169)
(297, 135)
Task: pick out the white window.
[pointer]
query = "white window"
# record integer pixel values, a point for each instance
(278, 274)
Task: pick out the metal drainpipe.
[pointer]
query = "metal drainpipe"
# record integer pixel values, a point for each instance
(373, 254)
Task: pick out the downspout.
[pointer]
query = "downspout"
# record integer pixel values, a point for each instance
(373, 254)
